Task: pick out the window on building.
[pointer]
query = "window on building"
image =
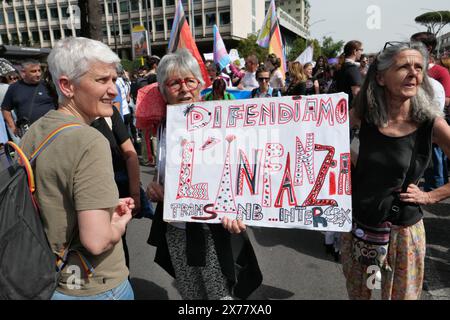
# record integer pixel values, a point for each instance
(54, 13)
(46, 35)
(21, 15)
(35, 36)
(298, 1)
(25, 38)
(297, 10)
(170, 2)
(2, 21)
(11, 17)
(134, 5)
(254, 8)
(105, 32)
(159, 25)
(135, 22)
(123, 6)
(224, 18)
(210, 19)
(67, 32)
(32, 15)
(5, 39)
(198, 21)
(157, 3)
(126, 28)
(57, 34)
(169, 23)
(64, 13)
(43, 13)
(114, 7)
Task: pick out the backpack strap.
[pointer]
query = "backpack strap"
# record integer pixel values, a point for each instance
(52, 136)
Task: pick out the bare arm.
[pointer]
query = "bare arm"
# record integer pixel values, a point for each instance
(9, 120)
(355, 90)
(132, 163)
(100, 230)
(441, 136)
(316, 86)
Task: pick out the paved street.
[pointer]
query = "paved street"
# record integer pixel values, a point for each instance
(293, 262)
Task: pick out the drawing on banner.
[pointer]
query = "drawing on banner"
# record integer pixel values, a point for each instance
(274, 162)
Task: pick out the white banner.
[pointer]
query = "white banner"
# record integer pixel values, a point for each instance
(273, 162)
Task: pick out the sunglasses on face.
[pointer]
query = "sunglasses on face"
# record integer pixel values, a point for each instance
(13, 78)
(263, 79)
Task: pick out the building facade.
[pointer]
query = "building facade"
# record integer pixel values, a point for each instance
(40, 23)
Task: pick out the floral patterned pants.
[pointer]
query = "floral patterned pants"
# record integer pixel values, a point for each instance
(406, 257)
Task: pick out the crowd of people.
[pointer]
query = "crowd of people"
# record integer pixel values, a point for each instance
(88, 180)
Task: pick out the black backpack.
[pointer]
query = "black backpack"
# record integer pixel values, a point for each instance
(28, 266)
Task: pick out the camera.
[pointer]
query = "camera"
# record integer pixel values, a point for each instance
(23, 125)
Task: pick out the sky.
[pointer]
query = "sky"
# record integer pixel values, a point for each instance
(373, 22)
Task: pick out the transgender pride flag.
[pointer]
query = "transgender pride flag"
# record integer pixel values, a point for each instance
(221, 56)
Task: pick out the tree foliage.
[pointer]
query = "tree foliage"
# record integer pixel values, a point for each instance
(331, 49)
(298, 46)
(435, 21)
(249, 46)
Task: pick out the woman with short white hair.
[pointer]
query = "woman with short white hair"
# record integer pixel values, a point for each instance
(78, 198)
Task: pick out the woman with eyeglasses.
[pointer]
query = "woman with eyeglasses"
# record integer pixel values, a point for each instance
(397, 121)
(199, 256)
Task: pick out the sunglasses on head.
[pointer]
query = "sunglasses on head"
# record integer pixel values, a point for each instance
(396, 43)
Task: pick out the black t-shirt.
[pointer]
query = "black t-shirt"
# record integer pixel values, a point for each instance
(297, 89)
(346, 78)
(310, 86)
(116, 136)
(19, 98)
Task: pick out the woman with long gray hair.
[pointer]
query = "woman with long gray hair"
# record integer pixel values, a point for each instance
(397, 121)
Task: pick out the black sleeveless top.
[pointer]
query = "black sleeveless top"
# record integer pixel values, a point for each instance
(381, 170)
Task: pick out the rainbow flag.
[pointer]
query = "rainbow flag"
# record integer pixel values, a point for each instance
(270, 36)
(181, 37)
(221, 56)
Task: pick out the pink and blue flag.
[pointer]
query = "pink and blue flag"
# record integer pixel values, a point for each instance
(221, 56)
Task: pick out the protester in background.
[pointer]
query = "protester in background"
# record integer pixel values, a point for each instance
(321, 72)
(78, 199)
(198, 256)
(219, 91)
(363, 66)
(248, 77)
(297, 83)
(212, 70)
(28, 98)
(348, 77)
(264, 90)
(398, 120)
(276, 76)
(312, 84)
(437, 175)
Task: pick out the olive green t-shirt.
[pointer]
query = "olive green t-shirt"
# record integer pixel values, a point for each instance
(74, 173)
